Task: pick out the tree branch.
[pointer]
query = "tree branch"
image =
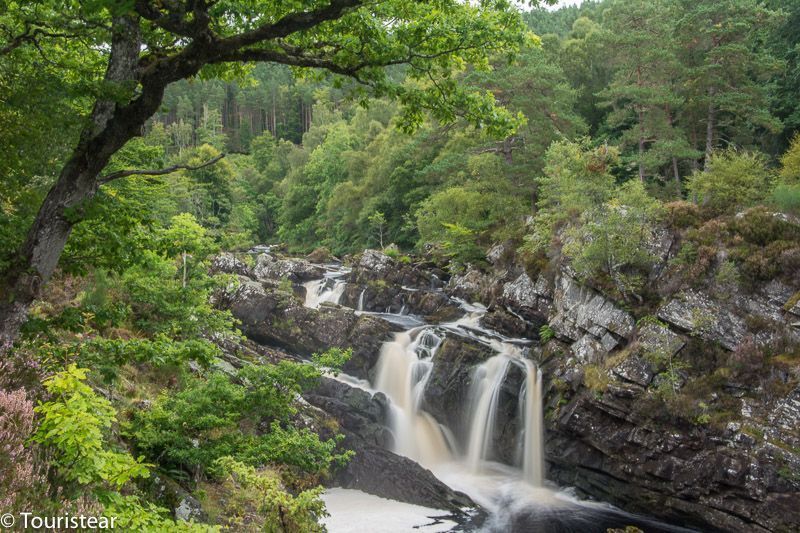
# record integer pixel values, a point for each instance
(159, 172)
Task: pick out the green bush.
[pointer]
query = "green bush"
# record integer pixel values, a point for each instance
(786, 198)
(211, 418)
(732, 181)
(612, 240)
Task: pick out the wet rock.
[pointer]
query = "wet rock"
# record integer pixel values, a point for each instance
(227, 263)
(447, 391)
(356, 410)
(374, 469)
(510, 324)
(269, 267)
(273, 317)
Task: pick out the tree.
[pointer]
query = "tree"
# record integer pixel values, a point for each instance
(378, 222)
(612, 239)
(140, 47)
(728, 65)
(577, 178)
(644, 92)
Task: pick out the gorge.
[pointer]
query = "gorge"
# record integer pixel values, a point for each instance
(502, 419)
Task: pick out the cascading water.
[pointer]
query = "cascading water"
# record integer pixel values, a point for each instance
(404, 367)
(327, 289)
(403, 371)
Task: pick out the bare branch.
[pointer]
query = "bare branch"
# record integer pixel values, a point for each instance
(159, 172)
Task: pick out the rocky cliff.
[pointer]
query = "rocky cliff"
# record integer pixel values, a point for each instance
(685, 406)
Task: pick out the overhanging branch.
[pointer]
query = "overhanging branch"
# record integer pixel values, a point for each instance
(158, 172)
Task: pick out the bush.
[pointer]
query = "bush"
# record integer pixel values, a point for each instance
(258, 499)
(786, 198)
(732, 181)
(212, 418)
(790, 163)
(613, 239)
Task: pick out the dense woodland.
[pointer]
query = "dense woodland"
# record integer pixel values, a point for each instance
(614, 117)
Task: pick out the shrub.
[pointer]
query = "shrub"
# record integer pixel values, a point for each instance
(786, 198)
(613, 239)
(212, 418)
(73, 426)
(790, 163)
(732, 181)
(257, 497)
(681, 215)
(21, 483)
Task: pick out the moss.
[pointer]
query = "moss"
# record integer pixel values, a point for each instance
(595, 379)
(794, 300)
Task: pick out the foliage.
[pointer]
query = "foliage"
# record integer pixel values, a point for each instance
(332, 359)
(258, 496)
(732, 181)
(577, 179)
(213, 417)
(614, 240)
(73, 426)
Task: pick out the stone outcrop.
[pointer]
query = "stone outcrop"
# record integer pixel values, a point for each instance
(271, 316)
(730, 321)
(227, 263)
(683, 474)
(269, 267)
(374, 469)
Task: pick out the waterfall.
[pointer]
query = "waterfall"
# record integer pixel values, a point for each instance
(404, 367)
(320, 290)
(485, 392)
(533, 427)
(403, 371)
(361, 300)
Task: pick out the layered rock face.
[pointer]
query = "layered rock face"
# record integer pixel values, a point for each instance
(637, 413)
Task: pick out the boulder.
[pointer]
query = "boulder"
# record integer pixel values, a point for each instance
(579, 310)
(697, 313)
(269, 267)
(227, 263)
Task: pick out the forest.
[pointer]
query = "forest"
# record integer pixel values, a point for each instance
(141, 141)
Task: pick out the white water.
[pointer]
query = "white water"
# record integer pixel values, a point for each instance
(402, 375)
(353, 511)
(404, 368)
(327, 289)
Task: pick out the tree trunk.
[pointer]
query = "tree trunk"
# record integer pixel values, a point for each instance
(710, 125)
(77, 183)
(676, 174)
